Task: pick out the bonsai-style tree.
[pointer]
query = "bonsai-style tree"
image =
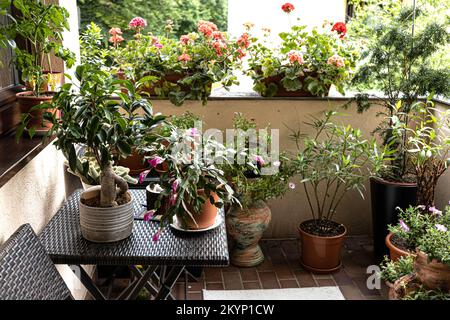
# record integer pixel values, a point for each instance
(39, 26)
(108, 127)
(398, 63)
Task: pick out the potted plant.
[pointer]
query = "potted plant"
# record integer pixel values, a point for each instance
(179, 69)
(335, 160)
(397, 64)
(428, 147)
(391, 271)
(193, 187)
(306, 63)
(34, 34)
(247, 222)
(106, 127)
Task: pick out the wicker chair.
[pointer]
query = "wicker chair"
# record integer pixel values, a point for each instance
(26, 271)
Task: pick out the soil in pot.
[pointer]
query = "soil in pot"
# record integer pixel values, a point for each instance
(321, 244)
(28, 100)
(122, 198)
(246, 227)
(397, 247)
(432, 274)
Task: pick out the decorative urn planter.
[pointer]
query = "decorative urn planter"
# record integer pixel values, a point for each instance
(105, 224)
(246, 228)
(320, 254)
(432, 274)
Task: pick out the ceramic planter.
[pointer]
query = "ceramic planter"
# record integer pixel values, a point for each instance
(26, 100)
(321, 254)
(105, 225)
(203, 219)
(394, 252)
(432, 274)
(246, 227)
(386, 197)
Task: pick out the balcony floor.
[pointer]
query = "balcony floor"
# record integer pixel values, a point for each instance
(281, 269)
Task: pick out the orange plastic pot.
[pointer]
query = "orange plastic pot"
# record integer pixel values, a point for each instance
(394, 252)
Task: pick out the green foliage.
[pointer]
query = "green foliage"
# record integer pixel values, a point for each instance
(398, 63)
(191, 175)
(184, 13)
(92, 50)
(335, 160)
(108, 128)
(245, 176)
(41, 26)
(426, 294)
(314, 72)
(391, 271)
(435, 243)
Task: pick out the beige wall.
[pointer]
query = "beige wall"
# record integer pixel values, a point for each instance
(288, 212)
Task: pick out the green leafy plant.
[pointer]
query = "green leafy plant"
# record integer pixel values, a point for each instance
(335, 160)
(108, 128)
(40, 26)
(391, 271)
(245, 176)
(397, 62)
(425, 294)
(309, 61)
(92, 50)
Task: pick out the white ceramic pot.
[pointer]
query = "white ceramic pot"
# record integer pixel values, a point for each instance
(105, 224)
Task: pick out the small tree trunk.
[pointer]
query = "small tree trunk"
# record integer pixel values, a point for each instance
(108, 180)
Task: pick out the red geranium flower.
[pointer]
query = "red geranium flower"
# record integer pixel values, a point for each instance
(340, 28)
(287, 7)
(243, 41)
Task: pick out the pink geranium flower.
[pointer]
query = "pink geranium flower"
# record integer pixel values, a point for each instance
(155, 161)
(207, 28)
(116, 36)
(184, 58)
(336, 61)
(184, 39)
(137, 23)
(295, 56)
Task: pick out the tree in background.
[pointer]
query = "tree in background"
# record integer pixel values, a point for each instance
(184, 14)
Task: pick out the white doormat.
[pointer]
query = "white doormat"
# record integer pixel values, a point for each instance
(312, 293)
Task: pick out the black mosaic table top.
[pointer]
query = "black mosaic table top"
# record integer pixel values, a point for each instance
(64, 243)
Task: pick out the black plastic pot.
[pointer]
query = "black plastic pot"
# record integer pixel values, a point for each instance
(386, 197)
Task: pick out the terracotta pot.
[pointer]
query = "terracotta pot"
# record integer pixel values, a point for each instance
(394, 252)
(246, 228)
(282, 92)
(203, 219)
(26, 101)
(105, 225)
(321, 254)
(433, 274)
(135, 162)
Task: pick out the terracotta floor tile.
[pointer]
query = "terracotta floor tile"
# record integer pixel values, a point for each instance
(214, 286)
(196, 286)
(342, 278)
(351, 292)
(252, 285)
(326, 282)
(288, 283)
(195, 296)
(232, 281)
(305, 279)
(283, 271)
(249, 274)
(361, 283)
(269, 280)
(213, 275)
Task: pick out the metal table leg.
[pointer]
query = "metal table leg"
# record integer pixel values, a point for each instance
(87, 282)
(168, 282)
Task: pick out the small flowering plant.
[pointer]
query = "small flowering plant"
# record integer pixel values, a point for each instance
(193, 176)
(306, 63)
(183, 68)
(245, 177)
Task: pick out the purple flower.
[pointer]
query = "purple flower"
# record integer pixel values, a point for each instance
(155, 161)
(435, 211)
(259, 160)
(192, 132)
(441, 227)
(155, 237)
(404, 226)
(292, 185)
(175, 185)
(158, 45)
(142, 175)
(421, 207)
(148, 215)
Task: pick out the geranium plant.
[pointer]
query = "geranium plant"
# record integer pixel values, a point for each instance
(182, 68)
(40, 26)
(307, 62)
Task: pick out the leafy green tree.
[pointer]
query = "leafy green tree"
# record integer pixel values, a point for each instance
(184, 14)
